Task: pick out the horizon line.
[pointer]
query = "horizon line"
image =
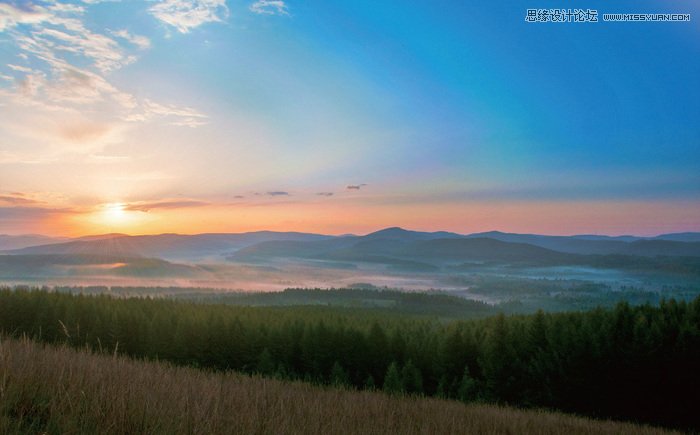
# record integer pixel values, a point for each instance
(126, 234)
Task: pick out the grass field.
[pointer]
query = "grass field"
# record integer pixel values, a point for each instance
(58, 390)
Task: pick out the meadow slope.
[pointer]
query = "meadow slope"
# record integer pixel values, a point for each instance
(45, 389)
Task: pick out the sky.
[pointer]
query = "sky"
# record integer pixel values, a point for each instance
(194, 116)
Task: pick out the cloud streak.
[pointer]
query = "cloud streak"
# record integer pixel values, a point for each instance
(11, 16)
(355, 186)
(141, 42)
(185, 15)
(269, 7)
(17, 200)
(164, 205)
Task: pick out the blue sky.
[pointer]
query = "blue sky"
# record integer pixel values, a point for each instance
(445, 107)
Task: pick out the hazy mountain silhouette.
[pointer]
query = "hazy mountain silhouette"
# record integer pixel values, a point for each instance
(22, 267)
(168, 246)
(8, 242)
(603, 245)
(395, 247)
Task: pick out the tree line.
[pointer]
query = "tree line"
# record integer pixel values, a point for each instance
(630, 362)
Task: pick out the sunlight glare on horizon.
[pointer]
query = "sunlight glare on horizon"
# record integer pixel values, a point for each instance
(115, 215)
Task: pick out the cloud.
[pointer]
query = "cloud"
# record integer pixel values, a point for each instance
(11, 16)
(140, 41)
(65, 33)
(84, 132)
(325, 194)
(185, 15)
(148, 206)
(277, 193)
(355, 186)
(20, 68)
(24, 214)
(178, 115)
(17, 199)
(269, 7)
(67, 89)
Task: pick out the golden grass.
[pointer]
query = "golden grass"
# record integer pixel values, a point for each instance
(59, 390)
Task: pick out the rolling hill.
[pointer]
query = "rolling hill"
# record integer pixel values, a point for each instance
(393, 248)
(167, 246)
(57, 389)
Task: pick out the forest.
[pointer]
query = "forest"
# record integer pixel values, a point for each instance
(635, 363)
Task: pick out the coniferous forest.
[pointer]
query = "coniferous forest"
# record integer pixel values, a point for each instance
(636, 363)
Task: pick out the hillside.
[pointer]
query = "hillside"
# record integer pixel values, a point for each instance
(81, 265)
(167, 246)
(8, 242)
(60, 390)
(390, 241)
(600, 363)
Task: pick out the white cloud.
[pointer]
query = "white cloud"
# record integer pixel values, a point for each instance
(19, 68)
(180, 116)
(185, 15)
(62, 83)
(11, 16)
(269, 7)
(140, 41)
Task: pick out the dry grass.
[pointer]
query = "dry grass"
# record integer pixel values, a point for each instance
(60, 390)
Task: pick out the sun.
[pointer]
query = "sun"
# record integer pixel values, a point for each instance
(113, 217)
(115, 214)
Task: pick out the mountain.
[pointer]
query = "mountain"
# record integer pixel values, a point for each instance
(601, 245)
(22, 267)
(394, 247)
(652, 248)
(481, 250)
(18, 242)
(626, 238)
(396, 233)
(404, 250)
(412, 251)
(680, 237)
(167, 246)
(372, 247)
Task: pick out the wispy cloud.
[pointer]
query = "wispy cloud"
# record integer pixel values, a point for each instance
(355, 186)
(11, 16)
(61, 79)
(325, 194)
(183, 116)
(148, 206)
(19, 68)
(17, 199)
(277, 193)
(269, 7)
(140, 41)
(185, 15)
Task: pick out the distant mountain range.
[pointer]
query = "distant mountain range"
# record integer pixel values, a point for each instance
(167, 246)
(392, 242)
(394, 248)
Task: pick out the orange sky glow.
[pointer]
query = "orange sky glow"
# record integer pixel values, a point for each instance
(594, 217)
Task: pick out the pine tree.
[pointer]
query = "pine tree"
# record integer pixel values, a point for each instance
(392, 380)
(266, 365)
(370, 384)
(411, 378)
(467, 387)
(339, 377)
